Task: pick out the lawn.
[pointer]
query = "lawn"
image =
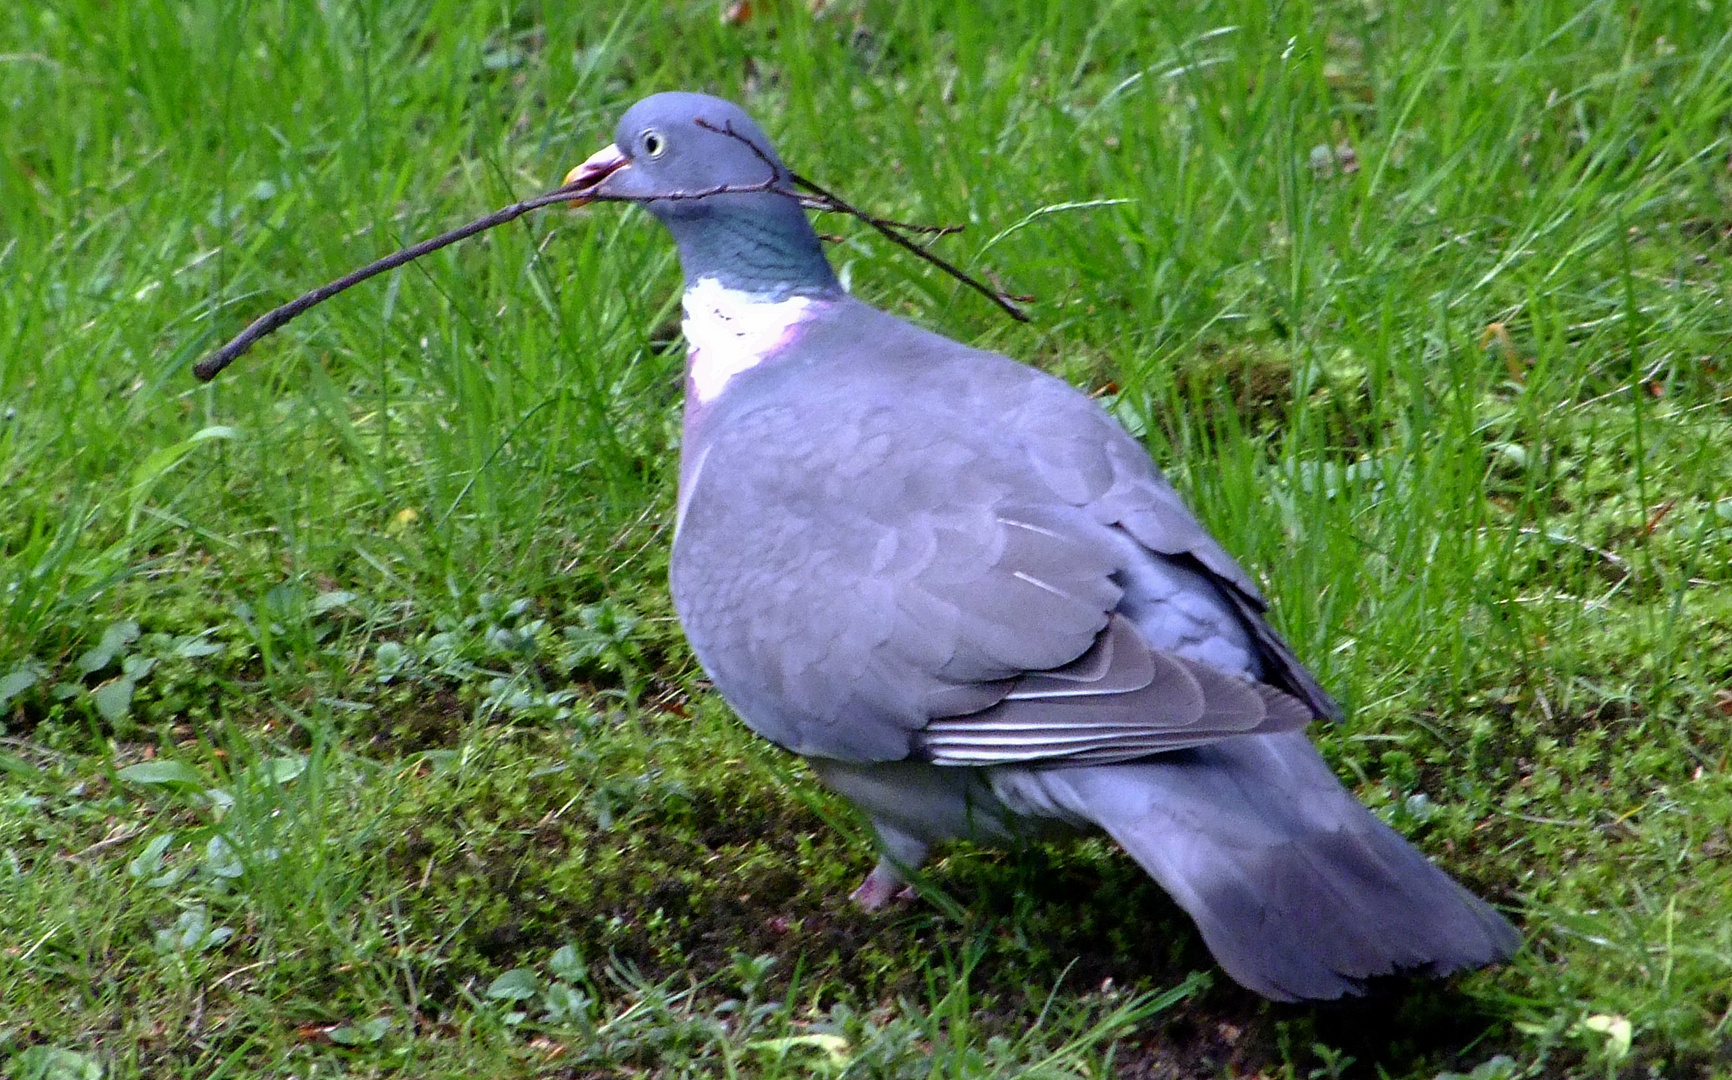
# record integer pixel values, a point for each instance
(347, 730)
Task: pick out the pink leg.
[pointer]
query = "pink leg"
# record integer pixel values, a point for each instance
(881, 886)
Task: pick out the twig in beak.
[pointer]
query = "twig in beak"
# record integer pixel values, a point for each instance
(208, 368)
(576, 191)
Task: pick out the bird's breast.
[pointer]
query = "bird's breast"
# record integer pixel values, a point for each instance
(729, 331)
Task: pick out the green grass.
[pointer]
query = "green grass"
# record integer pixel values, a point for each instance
(347, 727)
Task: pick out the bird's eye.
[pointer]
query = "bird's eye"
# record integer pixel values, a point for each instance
(653, 143)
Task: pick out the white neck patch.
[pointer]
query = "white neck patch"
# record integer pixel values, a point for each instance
(729, 331)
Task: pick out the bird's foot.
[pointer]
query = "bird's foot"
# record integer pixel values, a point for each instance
(881, 886)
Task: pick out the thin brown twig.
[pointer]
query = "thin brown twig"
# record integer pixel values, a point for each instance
(813, 202)
(814, 197)
(884, 226)
(119, 835)
(887, 229)
(208, 368)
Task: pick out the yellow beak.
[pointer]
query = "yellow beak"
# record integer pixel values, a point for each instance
(595, 168)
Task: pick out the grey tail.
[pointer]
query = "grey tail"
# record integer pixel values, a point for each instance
(1298, 890)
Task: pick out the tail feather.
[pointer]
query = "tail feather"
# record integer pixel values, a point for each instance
(1298, 890)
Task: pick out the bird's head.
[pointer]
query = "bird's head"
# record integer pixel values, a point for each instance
(708, 172)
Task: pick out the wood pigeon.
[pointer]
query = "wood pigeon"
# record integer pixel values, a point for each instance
(958, 589)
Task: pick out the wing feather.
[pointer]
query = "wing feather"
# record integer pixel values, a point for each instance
(1119, 701)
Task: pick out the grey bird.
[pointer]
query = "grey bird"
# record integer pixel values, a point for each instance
(968, 598)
